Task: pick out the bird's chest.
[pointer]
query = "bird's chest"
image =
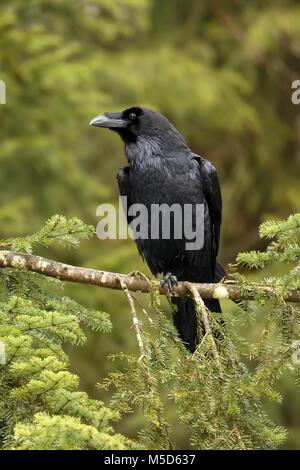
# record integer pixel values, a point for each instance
(151, 183)
(163, 182)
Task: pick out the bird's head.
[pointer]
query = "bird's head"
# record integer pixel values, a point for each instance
(139, 123)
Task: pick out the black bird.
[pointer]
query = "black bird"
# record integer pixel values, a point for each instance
(163, 170)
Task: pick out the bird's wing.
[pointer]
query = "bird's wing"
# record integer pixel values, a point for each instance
(212, 193)
(124, 188)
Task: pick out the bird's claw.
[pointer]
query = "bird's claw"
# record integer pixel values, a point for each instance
(169, 281)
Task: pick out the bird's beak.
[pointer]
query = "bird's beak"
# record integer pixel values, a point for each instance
(110, 120)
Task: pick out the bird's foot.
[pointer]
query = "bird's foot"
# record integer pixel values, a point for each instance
(169, 281)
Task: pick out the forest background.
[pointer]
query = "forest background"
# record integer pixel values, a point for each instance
(220, 71)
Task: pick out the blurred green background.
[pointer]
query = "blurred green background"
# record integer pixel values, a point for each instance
(221, 71)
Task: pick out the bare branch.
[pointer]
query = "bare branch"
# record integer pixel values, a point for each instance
(202, 310)
(67, 272)
(135, 319)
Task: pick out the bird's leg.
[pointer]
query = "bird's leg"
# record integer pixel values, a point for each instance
(169, 281)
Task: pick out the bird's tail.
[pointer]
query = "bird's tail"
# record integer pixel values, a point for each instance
(185, 319)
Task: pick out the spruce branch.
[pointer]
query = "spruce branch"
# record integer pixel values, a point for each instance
(238, 434)
(218, 398)
(110, 280)
(203, 311)
(135, 319)
(144, 363)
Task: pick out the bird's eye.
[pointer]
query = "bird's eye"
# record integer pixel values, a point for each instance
(132, 116)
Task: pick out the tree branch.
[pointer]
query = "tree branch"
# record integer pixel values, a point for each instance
(135, 319)
(203, 311)
(67, 272)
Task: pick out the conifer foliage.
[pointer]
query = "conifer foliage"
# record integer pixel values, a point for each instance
(220, 391)
(40, 405)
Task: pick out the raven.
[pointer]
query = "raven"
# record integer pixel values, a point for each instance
(163, 170)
